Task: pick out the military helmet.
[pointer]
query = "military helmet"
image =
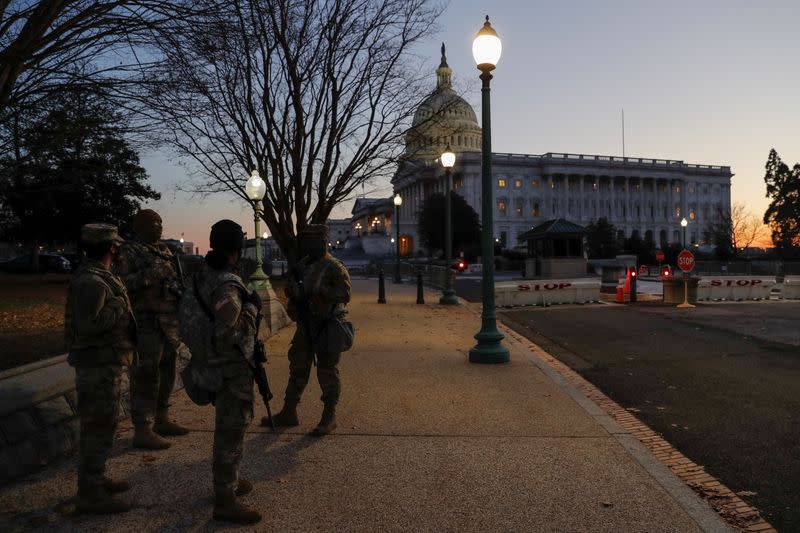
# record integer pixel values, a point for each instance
(226, 235)
(314, 230)
(99, 233)
(143, 218)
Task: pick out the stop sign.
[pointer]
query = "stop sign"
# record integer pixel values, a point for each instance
(686, 261)
(660, 256)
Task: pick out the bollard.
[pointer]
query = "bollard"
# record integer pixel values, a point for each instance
(381, 287)
(420, 294)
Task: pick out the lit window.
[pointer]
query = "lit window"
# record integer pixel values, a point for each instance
(594, 185)
(517, 184)
(536, 184)
(691, 215)
(501, 183)
(677, 211)
(677, 188)
(501, 206)
(536, 211)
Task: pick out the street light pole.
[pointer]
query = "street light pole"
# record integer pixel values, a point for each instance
(448, 159)
(255, 190)
(398, 201)
(486, 49)
(684, 223)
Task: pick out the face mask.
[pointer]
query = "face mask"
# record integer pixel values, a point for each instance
(151, 233)
(313, 248)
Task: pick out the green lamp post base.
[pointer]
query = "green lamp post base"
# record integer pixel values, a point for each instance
(259, 281)
(448, 297)
(489, 350)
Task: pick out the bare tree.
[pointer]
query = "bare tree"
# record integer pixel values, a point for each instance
(314, 94)
(735, 231)
(48, 44)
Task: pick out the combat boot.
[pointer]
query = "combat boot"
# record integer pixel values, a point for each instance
(164, 426)
(97, 500)
(229, 509)
(286, 417)
(327, 423)
(146, 439)
(115, 486)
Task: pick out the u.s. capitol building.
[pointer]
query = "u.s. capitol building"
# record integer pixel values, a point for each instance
(643, 196)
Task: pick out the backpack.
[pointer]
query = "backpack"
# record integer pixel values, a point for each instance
(201, 377)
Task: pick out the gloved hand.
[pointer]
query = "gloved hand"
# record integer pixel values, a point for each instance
(255, 299)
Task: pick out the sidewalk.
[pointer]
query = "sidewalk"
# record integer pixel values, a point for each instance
(426, 442)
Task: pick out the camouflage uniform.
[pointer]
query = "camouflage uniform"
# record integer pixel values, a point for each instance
(149, 273)
(232, 342)
(326, 284)
(100, 337)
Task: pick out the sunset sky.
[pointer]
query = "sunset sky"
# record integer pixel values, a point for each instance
(709, 82)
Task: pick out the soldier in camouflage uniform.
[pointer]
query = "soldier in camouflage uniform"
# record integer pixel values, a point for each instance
(100, 336)
(325, 292)
(147, 267)
(234, 312)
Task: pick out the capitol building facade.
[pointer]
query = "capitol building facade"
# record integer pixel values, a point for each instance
(647, 197)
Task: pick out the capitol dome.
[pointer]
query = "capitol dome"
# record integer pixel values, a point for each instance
(443, 118)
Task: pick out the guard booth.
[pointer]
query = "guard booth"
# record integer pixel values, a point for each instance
(555, 250)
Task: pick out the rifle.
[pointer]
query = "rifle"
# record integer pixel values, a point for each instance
(259, 373)
(304, 309)
(179, 268)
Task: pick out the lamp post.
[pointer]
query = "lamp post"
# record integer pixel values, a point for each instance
(448, 160)
(255, 188)
(358, 230)
(398, 201)
(486, 49)
(684, 223)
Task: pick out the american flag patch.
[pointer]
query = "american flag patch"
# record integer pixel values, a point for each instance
(222, 303)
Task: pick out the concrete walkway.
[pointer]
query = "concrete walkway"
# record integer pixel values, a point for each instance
(426, 442)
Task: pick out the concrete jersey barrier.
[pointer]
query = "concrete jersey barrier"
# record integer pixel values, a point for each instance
(735, 288)
(791, 288)
(546, 292)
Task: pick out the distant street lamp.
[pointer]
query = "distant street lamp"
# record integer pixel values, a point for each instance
(486, 49)
(255, 188)
(448, 160)
(398, 201)
(684, 223)
(358, 230)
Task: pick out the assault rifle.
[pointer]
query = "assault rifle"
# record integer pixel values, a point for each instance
(304, 307)
(179, 268)
(259, 373)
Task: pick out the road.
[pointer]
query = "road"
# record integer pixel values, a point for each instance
(721, 382)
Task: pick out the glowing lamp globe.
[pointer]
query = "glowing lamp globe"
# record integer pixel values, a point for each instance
(255, 187)
(398, 201)
(448, 158)
(486, 47)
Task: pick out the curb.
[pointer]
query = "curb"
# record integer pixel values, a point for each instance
(712, 505)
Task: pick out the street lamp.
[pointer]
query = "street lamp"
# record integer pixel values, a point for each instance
(486, 49)
(684, 223)
(398, 201)
(358, 230)
(448, 160)
(255, 188)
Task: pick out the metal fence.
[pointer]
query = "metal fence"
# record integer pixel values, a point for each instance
(755, 267)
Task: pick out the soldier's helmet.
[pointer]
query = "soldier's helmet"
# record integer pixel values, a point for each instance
(226, 235)
(318, 231)
(99, 233)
